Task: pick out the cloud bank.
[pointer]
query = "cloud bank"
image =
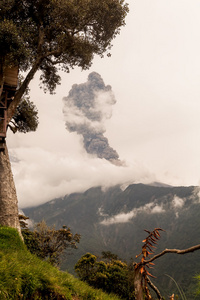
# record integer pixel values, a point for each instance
(151, 207)
(42, 175)
(155, 207)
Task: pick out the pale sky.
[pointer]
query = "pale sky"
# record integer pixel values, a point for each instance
(154, 72)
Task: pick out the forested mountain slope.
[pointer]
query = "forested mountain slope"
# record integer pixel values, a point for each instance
(115, 219)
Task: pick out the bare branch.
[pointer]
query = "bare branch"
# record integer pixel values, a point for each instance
(150, 283)
(177, 251)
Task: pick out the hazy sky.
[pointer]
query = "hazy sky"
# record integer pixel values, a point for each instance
(154, 72)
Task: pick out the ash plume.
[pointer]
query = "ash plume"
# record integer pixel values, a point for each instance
(86, 108)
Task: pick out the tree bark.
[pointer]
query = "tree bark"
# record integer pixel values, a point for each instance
(138, 288)
(154, 288)
(8, 197)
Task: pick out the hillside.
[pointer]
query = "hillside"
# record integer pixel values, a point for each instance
(24, 276)
(115, 219)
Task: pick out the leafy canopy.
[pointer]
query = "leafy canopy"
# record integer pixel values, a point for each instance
(47, 35)
(109, 274)
(48, 243)
(25, 118)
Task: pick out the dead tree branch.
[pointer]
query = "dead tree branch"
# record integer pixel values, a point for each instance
(177, 251)
(156, 290)
(141, 280)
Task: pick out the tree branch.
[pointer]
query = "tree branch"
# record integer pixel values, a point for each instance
(177, 251)
(40, 39)
(150, 283)
(14, 129)
(20, 92)
(56, 52)
(38, 60)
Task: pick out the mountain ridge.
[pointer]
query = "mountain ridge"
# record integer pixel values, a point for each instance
(114, 220)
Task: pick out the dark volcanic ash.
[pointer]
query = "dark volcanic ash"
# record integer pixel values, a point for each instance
(86, 109)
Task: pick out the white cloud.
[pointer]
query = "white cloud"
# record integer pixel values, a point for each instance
(126, 217)
(41, 175)
(178, 202)
(120, 218)
(196, 195)
(157, 209)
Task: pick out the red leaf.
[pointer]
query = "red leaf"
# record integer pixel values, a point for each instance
(152, 239)
(157, 232)
(138, 255)
(159, 229)
(156, 236)
(150, 274)
(142, 270)
(149, 243)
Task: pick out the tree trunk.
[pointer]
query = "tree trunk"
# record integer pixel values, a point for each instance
(138, 285)
(8, 196)
(9, 215)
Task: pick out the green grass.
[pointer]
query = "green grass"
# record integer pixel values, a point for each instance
(198, 287)
(24, 276)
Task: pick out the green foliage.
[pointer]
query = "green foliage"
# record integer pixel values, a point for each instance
(24, 276)
(86, 267)
(26, 117)
(11, 44)
(111, 276)
(49, 243)
(109, 255)
(46, 33)
(198, 284)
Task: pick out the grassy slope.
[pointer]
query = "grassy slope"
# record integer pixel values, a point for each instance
(24, 276)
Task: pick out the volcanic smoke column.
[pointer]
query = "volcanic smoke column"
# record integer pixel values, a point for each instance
(86, 109)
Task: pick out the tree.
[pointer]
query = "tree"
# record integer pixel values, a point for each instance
(111, 275)
(86, 267)
(48, 36)
(47, 242)
(25, 118)
(142, 281)
(108, 255)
